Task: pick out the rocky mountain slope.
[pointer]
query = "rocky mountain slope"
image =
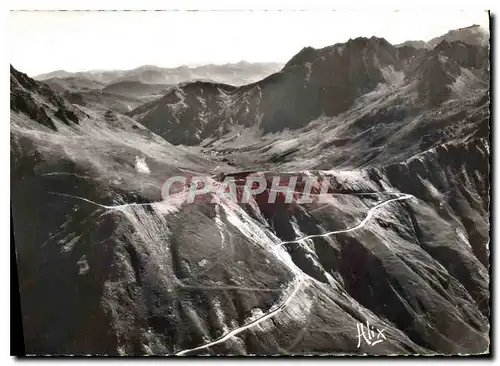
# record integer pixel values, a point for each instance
(39, 102)
(109, 264)
(100, 156)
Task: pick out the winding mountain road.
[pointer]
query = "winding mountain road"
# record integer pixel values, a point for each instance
(278, 248)
(300, 276)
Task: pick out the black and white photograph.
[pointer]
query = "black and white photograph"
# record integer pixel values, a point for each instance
(251, 183)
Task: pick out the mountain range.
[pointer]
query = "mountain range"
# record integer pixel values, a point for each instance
(109, 265)
(238, 73)
(123, 90)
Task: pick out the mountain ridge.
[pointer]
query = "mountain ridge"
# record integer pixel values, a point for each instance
(297, 94)
(473, 35)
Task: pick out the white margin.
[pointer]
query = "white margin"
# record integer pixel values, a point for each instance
(182, 5)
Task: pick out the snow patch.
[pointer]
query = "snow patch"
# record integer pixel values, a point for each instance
(392, 77)
(433, 191)
(443, 59)
(83, 266)
(462, 236)
(355, 180)
(282, 146)
(69, 246)
(465, 84)
(203, 263)
(308, 69)
(220, 225)
(181, 104)
(220, 314)
(140, 165)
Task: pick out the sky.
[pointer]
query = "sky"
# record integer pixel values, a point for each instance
(44, 41)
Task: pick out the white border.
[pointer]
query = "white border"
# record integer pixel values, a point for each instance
(180, 5)
(431, 5)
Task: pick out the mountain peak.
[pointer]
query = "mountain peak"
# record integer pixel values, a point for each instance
(471, 27)
(473, 35)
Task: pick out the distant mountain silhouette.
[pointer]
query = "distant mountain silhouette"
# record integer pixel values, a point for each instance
(237, 74)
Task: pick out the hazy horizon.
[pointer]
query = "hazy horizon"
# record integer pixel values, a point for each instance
(169, 67)
(74, 41)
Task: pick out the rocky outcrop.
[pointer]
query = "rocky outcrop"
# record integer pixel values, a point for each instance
(39, 102)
